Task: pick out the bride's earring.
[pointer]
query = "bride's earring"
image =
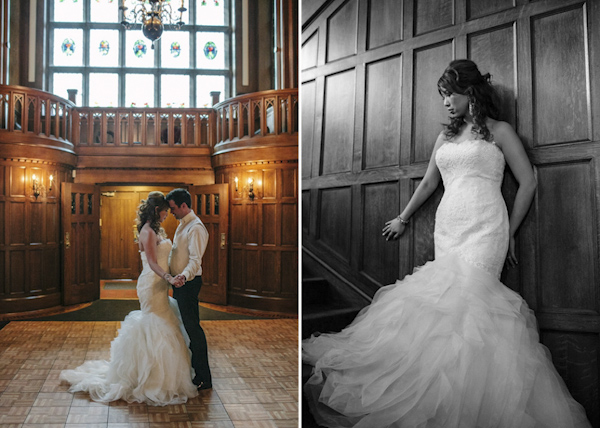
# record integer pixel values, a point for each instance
(471, 108)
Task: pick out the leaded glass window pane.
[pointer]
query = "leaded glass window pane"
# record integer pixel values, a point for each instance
(210, 50)
(104, 89)
(68, 47)
(139, 90)
(210, 12)
(207, 84)
(175, 49)
(68, 11)
(104, 48)
(138, 50)
(64, 81)
(105, 11)
(175, 90)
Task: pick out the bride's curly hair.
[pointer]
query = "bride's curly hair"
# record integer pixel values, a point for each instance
(149, 210)
(463, 77)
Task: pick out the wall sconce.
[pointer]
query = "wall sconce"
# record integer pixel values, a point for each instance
(236, 183)
(51, 179)
(36, 186)
(251, 188)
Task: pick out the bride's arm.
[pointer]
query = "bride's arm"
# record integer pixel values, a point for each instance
(148, 240)
(516, 158)
(394, 228)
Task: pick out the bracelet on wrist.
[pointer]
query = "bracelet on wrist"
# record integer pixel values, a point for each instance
(401, 220)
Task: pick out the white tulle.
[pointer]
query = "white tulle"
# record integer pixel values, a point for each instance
(149, 359)
(448, 346)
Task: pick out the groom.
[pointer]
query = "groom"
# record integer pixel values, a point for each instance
(185, 262)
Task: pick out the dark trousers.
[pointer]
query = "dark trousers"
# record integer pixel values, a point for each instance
(187, 300)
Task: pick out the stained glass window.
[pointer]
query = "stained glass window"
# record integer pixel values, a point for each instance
(109, 64)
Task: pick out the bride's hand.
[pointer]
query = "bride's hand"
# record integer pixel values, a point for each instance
(511, 258)
(393, 229)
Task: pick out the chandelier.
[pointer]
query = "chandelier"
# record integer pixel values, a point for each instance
(153, 15)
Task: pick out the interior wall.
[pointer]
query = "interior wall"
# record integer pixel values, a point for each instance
(371, 114)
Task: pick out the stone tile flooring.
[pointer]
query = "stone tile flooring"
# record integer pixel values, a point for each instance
(254, 366)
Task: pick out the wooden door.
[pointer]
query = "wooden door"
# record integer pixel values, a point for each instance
(81, 242)
(211, 205)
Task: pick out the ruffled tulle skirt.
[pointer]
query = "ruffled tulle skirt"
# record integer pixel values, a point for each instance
(448, 346)
(149, 363)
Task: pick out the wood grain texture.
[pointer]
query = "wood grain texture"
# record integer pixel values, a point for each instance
(383, 113)
(567, 249)
(479, 8)
(342, 31)
(385, 22)
(338, 123)
(309, 51)
(560, 77)
(380, 203)
(432, 15)
(308, 123)
(335, 208)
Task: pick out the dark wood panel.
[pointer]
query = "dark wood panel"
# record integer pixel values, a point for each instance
(575, 356)
(432, 15)
(253, 266)
(289, 183)
(4, 282)
(236, 273)
(52, 223)
(289, 224)
(251, 234)
(567, 249)
(423, 226)
(306, 210)
(17, 268)
(237, 224)
(383, 113)
(560, 81)
(335, 229)
(2, 180)
(342, 29)
(269, 224)
(478, 8)
(2, 222)
(271, 273)
(18, 178)
(386, 22)
(494, 52)
(51, 270)
(308, 94)
(36, 231)
(269, 184)
(379, 257)
(35, 278)
(18, 218)
(309, 51)
(289, 273)
(338, 123)
(428, 109)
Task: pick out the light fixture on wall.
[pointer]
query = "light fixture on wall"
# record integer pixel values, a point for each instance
(153, 15)
(36, 186)
(236, 183)
(51, 182)
(251, 188)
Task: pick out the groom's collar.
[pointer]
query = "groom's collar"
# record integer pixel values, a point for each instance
(189, 216)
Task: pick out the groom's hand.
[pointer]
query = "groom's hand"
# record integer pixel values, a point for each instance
(180, 280)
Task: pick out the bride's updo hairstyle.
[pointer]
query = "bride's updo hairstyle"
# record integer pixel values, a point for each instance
(149, 210)
(463, 77)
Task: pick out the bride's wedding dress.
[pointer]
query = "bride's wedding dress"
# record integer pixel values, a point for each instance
(149, 359)
(448, 346)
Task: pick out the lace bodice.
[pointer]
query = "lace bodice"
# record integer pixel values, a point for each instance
(151, 288)
(472, 220)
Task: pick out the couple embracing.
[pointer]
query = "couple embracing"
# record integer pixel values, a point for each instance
(160, 356)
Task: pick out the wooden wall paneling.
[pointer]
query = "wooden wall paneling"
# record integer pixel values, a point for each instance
(306, 212)
(18, 179)
(335, 231)
(238, 271)
(289, 224)
(52, 223)
(308, 95)
(2, 223)
(338, 123)
(271, 273)
(383, 115)
(36, 223)
(18, 222)
(5, 278)
(269, 222)
(593, 30)
(433, 15)
(385, 22)
(561, 77)
(252, 233)
(478, 8)
(379, 258)
(253, 271)
(493, 50)
(237, 224)
(269, 184)
(35, 274)
(52, 269)
(428, 110)
(18, 270)
(342, 30)
(289, 274)
(289, 183)
(318, 128)
(567, 249)
(309, 52)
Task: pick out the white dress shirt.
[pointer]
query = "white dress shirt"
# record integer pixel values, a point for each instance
(189, 244)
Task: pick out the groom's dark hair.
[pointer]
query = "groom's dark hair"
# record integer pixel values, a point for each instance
(179, 196)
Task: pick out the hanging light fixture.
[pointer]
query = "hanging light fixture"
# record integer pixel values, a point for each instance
(153, 15)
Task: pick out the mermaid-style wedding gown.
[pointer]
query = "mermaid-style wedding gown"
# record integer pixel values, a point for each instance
(448, 346)
(149, 360)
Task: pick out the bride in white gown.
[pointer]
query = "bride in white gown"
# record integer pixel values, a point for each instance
(450, 346)
(150, 361)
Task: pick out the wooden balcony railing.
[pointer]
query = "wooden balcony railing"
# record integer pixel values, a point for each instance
(33, 116)
(144, 127)
(256, 115)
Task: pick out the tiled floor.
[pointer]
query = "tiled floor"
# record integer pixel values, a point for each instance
(254, 365)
